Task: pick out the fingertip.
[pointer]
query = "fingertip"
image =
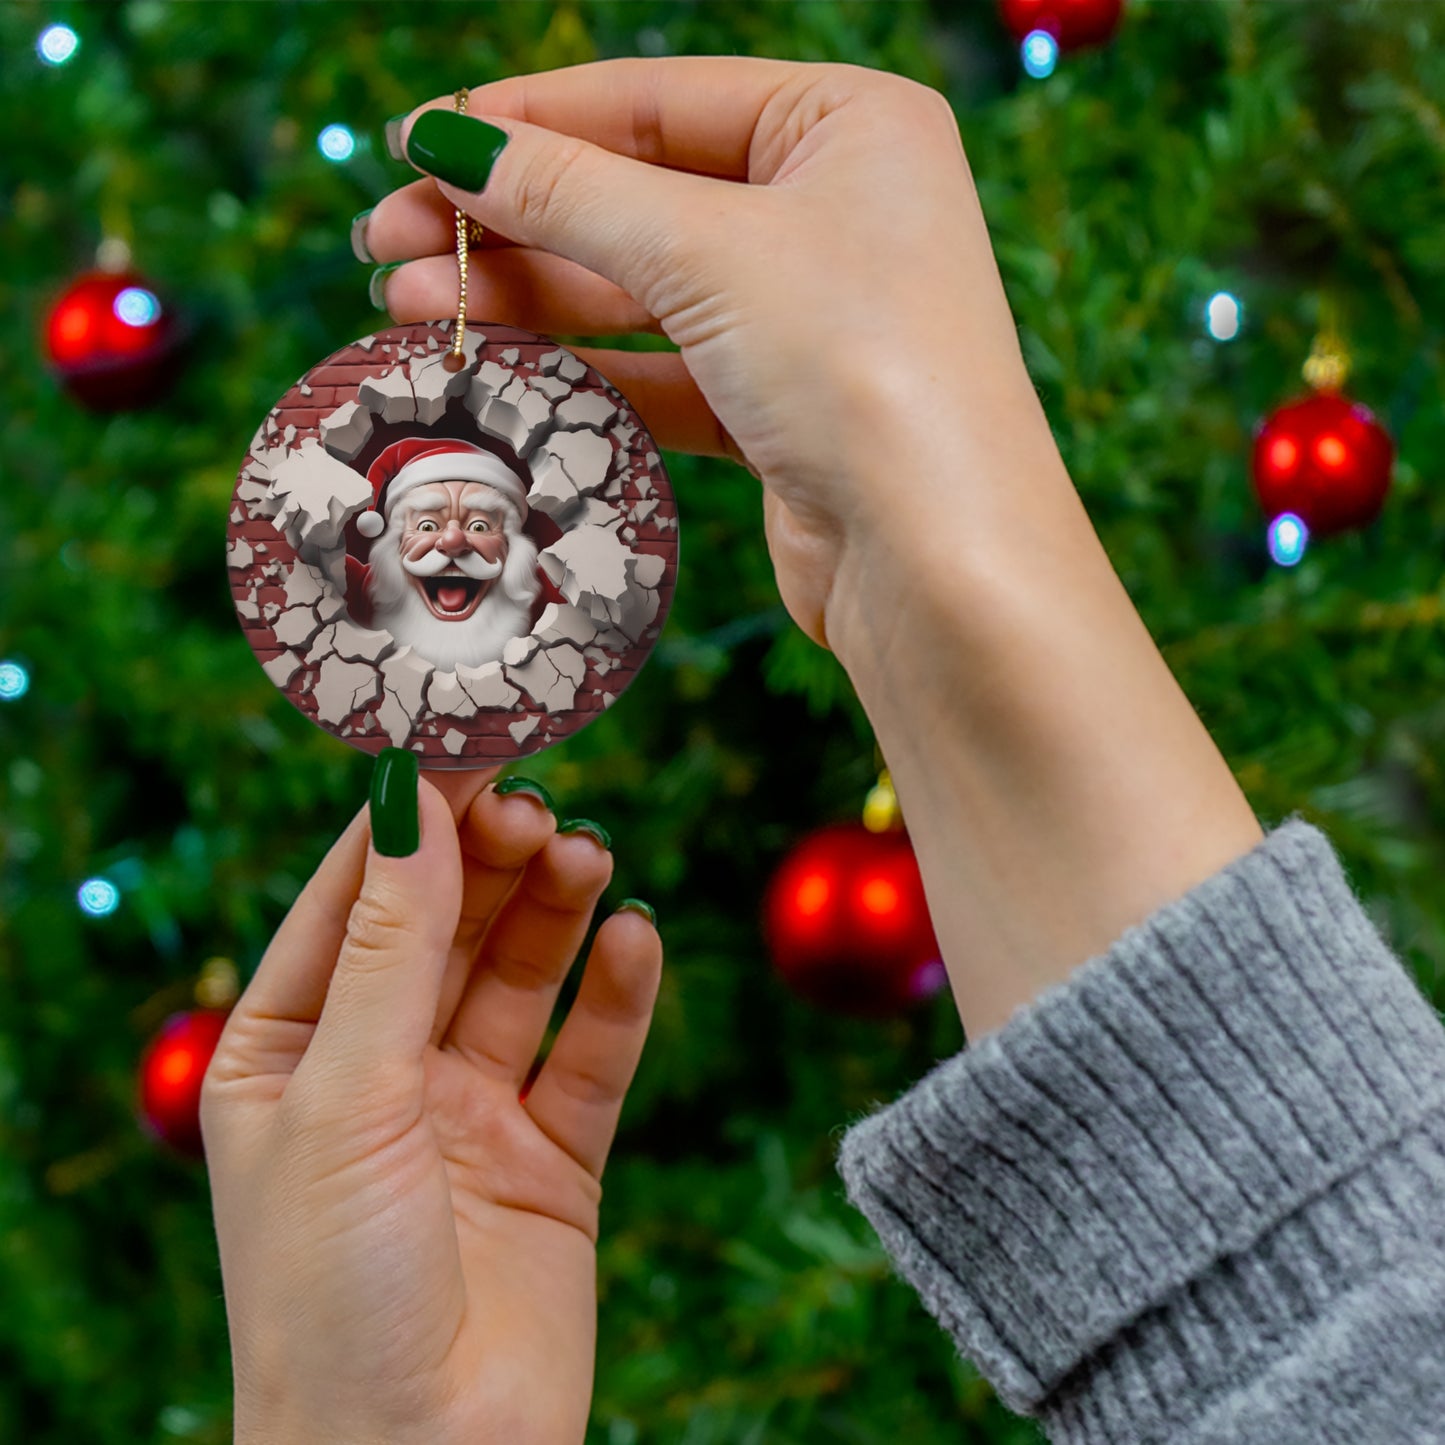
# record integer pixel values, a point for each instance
(636, 905)
(393, 130)
(630, 949)
(582, 852)
(506, 830)
(633, 933)
(417, 871)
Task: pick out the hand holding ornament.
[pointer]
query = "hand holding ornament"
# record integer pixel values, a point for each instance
(808, 235)
(407, 1222)
(811, 239)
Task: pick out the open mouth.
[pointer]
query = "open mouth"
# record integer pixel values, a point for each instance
(452, 595)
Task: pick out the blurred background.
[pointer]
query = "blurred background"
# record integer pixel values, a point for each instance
(1188, 206)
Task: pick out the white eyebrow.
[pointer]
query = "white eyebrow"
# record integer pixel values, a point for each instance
(492, 500)
(426, 499)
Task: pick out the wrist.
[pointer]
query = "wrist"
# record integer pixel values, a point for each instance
(983, 520)
(1057, 784)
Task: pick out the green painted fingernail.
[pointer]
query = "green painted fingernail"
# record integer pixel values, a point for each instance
(636, 905)
(359, 248)
(586, 825)
(526, 785)
(392, 131)
(455, 148)
(395, 821)
(377, 287)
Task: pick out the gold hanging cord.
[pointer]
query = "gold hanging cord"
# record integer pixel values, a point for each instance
(469, 233)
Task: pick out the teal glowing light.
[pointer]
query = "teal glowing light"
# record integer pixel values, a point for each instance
(1040, 53)
(57, 44)
(1288, 538)
(336, 143)
(14, 681)
(1223, 316)
(98, 897)
(137, 307)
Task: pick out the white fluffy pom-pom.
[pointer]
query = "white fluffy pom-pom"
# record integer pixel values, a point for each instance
(371, 524)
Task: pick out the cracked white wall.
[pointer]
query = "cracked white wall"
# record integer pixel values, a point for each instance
(576, 446)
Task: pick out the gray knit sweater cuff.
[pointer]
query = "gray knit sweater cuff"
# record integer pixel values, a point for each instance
(1134, 1190)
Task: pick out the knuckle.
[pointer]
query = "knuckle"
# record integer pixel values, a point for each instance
(374, 933)
(587, 1085)
(520, 970)
(541, 189)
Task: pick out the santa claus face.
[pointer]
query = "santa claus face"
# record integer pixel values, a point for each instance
(453, 546)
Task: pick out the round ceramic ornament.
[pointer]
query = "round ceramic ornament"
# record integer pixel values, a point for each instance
(464, 550)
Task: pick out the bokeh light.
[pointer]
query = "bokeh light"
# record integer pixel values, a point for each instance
(336, 143)
(813, 894)
(1223, 316)
(879, 897)
(137, 307)
(98, 897)
(1288, 538)
(14, 681)
(1282, 454)
(1040, 53)
(57, 44)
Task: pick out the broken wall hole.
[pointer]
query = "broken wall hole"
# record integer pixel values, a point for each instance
(601, 524)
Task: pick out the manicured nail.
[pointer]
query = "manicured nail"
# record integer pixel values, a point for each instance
(586, 825)
(376, 289)
(455, 148)
(359, 247)
(393, 136)
(395, 824)
(525, 785)
(636, 905)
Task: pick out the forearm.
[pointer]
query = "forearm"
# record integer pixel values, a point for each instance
(1056, 782)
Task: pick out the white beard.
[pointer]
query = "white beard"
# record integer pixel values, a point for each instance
(504, 613)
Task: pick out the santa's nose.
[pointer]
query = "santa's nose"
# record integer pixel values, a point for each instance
(453, 541)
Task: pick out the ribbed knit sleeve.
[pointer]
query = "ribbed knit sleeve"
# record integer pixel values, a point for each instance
(1196, 1192)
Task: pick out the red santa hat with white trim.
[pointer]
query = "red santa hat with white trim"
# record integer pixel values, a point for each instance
(414, 461)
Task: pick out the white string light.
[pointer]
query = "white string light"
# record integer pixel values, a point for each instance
(57, 44)
(336, 143)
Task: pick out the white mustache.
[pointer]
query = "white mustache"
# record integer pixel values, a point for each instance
(473, 564)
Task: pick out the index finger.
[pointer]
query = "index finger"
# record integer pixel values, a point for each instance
(696, 113)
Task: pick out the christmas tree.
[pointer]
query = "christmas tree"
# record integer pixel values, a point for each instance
(1212, 165)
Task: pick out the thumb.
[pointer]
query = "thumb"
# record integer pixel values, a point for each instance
(382, 999)
(634, 224)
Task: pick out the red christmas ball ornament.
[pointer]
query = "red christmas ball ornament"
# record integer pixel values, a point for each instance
(1324, 458)
(847, 924)
(1073, 23)
(171, 1071)
(112, 342)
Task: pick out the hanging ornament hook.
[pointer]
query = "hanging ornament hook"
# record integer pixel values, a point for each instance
(219, 984)
(881, 813)
(1328, 366)
(469, 233)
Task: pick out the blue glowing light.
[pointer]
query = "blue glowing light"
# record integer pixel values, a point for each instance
(1223, 316)
(336, 143)
(1288, 538)
(1040, 53)
(14, 681)
(57, 44)
(137, 307)
(98, 897)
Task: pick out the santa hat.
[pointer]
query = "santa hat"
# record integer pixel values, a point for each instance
(416, 460)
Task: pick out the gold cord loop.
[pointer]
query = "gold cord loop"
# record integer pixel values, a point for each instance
(469, 233)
